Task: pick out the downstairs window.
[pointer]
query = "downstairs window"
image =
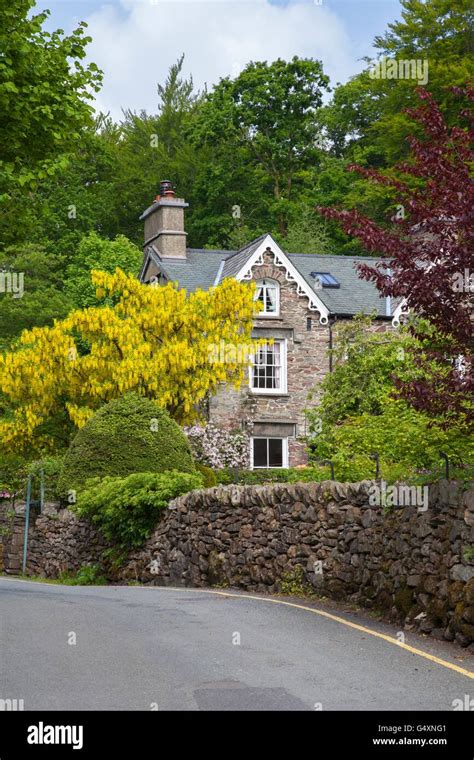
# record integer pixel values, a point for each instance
(269, 452)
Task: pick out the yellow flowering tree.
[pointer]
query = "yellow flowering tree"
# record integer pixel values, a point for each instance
(157, 341)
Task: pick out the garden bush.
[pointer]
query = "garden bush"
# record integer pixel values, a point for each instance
(126, 510)
(208, 475)
(130, 434)
(360, 413)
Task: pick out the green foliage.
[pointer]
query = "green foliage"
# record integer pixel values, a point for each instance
(96, 253)
(83, 198)
(365, 120)
(208, 474)
(262, 476)
(127, 509)
(268, 112)
(87, 575)
(306, 233)
(293, 583)
(156, 146)
(43, 299)
(359, 413)
(468, 554)
(128, 435)
(13, 472)
(44, 89)
(51, 467)
(365, 362)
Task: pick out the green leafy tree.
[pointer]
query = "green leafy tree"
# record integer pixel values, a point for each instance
(46, 91)
(40, 299)
(82, 198)
(98, 253)
(270, 111)
(154, 147)
(366, 120)
(359, 412)
(306, 233)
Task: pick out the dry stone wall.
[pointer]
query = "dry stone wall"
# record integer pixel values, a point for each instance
(416, 567)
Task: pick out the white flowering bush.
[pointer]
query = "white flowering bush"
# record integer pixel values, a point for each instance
(218, 448)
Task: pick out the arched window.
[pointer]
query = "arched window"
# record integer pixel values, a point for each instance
(268, 293)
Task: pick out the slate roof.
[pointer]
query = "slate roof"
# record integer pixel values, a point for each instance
(204, 267)
(199, 270)
(236, 260)
(355, 295)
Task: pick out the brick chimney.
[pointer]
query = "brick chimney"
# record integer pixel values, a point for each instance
(164, 223)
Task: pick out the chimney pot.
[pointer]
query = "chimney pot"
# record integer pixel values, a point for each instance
(166, 189)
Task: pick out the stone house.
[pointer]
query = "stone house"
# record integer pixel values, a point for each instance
(304, 299)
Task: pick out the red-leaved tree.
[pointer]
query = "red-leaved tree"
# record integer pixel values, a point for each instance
(430, 246)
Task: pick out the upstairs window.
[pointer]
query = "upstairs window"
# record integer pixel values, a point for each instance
(268, 371)
(268, 293)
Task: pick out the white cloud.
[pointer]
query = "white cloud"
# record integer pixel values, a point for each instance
(136, 41)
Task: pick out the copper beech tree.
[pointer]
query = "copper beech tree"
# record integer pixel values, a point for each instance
(427, 255)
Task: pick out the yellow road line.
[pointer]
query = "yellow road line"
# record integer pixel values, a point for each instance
(336, 618)
(321, 613)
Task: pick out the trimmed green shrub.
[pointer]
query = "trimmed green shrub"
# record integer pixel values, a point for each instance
(208, 474)
(130, 434)
(126, 509)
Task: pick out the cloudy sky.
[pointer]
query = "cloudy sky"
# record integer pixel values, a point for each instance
(135, 41)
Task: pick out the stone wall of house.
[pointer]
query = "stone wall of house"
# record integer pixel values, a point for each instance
(416, 567)
(307, 342)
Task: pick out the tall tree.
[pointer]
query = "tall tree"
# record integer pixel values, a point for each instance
(430, 250)
(45, 94)
(154, 147)
(366, 120)
(270, 111)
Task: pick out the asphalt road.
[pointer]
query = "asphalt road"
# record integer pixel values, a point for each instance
(149, 648)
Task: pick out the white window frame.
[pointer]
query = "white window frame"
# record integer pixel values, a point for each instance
(262, 283)
(284, 450)
(283, 372)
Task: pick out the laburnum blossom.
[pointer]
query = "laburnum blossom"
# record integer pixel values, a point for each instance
(155, 341)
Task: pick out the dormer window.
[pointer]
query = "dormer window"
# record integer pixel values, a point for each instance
(268, 293)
